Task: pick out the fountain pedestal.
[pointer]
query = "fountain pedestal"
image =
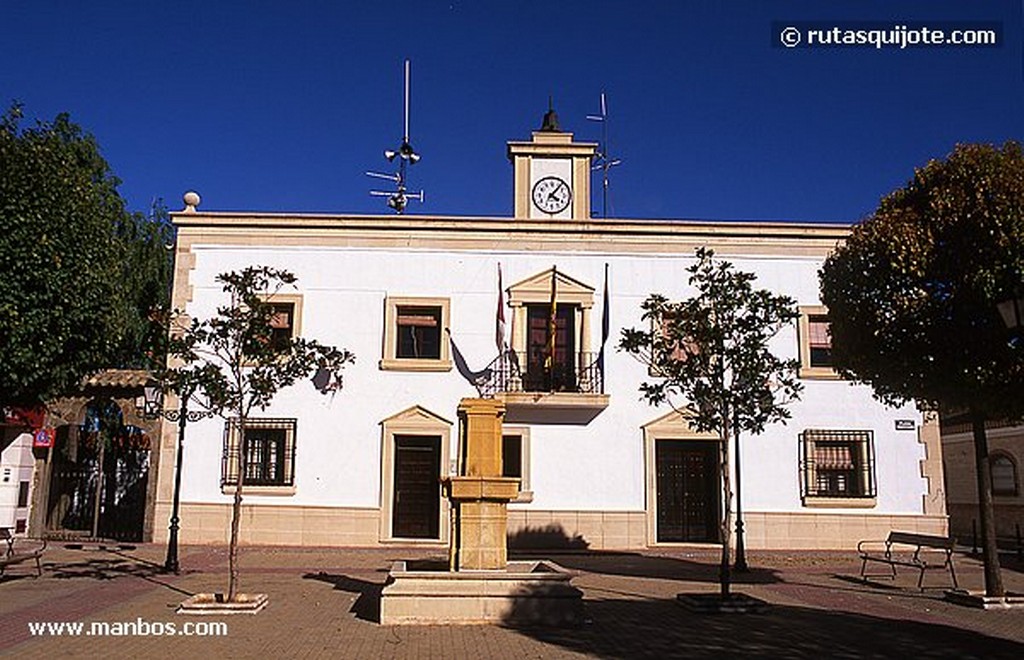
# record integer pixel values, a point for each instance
(485, 587)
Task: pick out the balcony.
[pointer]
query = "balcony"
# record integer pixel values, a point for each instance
(566, 392)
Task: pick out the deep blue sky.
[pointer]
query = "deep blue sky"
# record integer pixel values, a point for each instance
(281, 106)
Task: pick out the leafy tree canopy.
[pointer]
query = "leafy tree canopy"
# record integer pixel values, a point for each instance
(78, 273)
(711, 352)
(912, 294)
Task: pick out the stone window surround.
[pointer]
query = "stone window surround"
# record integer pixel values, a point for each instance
(525, 491)
(390, 361)
(803, 339)
(811, 500)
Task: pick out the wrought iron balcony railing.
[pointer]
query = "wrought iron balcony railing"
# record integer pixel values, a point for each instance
(517, 371)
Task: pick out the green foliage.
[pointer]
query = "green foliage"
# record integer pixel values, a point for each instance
(146, 264)
(912, 294)
(230, 361)
(67, 251)
(711, 350)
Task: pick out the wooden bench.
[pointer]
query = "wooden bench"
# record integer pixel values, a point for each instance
(15, 553)
(917, 551)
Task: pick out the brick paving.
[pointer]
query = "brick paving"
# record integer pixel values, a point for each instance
(323, 603)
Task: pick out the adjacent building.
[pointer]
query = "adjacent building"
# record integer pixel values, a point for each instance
(1006, 451)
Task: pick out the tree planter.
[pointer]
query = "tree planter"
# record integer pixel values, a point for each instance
(979, 599)
(216, 604)
(713, 603)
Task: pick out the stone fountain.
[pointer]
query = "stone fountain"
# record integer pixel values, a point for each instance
(479, 584)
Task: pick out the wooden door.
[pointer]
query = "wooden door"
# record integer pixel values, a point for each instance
(687, 490)
(417, 487)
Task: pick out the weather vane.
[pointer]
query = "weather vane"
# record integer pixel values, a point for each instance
(399, 198)
(603, 161)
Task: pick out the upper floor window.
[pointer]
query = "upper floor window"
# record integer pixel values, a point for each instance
(414, 338)
(286, 320)
(815, 343)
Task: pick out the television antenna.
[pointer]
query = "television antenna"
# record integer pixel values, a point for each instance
(603, 161)
(406, 155)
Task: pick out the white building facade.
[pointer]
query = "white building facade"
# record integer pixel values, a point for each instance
(599, 467)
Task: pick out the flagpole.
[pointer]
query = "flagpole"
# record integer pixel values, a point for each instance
(552, 329)
(605, 326)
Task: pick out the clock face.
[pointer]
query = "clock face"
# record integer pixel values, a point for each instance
(551, 195)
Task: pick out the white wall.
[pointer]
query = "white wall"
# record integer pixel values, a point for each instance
(597, 466)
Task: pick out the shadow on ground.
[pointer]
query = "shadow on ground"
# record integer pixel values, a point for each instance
(367, 603)
(631, 564)
(662, 629)
(117, 565)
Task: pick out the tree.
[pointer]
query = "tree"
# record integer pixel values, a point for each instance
(710, 354)
(912, 298)
(77, 272)
(233, 364)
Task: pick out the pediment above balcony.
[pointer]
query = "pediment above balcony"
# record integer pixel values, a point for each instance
(537, 289)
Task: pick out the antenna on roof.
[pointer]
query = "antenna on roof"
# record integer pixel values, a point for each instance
(399, 198)
(603, 161)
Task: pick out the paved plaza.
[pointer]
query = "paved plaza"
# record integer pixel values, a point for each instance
(324, 603)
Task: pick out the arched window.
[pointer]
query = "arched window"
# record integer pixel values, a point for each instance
(1004, 475)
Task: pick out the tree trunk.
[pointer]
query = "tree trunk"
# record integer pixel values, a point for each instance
(724, 571)
(990, 551)
(236, 515)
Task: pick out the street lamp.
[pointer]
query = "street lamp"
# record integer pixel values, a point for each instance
(1012, 311)
(152, 408)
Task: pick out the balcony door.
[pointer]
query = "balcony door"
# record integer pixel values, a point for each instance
(561, 376)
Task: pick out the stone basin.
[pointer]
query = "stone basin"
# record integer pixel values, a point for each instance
(525, 593)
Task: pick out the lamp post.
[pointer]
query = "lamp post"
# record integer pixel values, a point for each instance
(152, 409)
(741, 551)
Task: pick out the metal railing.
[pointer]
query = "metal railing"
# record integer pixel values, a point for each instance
(519, 371)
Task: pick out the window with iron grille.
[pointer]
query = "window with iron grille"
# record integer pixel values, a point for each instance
(1004, 475)
(837, 464)
(268, 453)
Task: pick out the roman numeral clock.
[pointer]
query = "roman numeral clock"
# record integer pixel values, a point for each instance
(551, 174)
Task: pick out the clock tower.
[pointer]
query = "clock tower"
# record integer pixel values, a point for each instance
(551, 174)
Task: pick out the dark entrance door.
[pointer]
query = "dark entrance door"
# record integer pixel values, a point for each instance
(687, 485)
(558, 375)
(99, 477)
(417, 496)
